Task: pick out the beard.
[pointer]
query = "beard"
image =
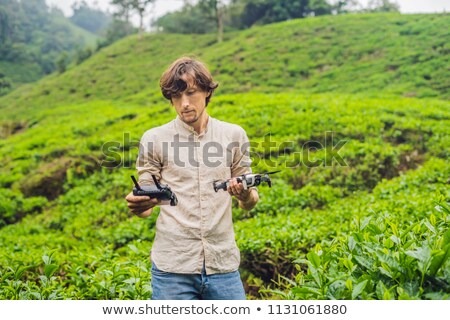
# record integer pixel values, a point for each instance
(193, 119)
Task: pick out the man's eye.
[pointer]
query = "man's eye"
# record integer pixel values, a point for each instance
(191, 92)
(176, 95)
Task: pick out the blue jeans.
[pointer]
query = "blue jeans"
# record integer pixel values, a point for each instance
(176, 286)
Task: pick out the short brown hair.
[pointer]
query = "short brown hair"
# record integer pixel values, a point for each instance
(171, 82)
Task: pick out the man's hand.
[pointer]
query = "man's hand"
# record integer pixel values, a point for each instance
(237, 189)
(141, 206)
(247, 198)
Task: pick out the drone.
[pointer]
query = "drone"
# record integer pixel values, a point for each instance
(248, 180)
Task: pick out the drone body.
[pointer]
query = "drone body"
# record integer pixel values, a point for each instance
(247, 180)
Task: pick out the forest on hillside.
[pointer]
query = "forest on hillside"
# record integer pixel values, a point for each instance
(37, 40)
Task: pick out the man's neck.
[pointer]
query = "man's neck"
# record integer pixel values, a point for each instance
(200, 125)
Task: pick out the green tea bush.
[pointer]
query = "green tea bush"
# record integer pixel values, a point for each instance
(381, 259)
(394, 240)
(14, 206)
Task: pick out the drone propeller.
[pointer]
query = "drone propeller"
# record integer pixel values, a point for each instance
(271, 172)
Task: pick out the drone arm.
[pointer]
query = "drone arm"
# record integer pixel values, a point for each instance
(267, 179)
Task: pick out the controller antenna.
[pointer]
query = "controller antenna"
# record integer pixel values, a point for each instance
(156, 182)
(136, 184)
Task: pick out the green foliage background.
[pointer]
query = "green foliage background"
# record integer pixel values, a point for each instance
(377, 228)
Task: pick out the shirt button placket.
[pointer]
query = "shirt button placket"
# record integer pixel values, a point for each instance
(203, 197)
(200, 193)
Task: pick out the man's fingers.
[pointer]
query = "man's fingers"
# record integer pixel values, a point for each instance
(140, 199)
(235, 188)
(137, 199)
(230, 186)
(141, 206)
(149, 203)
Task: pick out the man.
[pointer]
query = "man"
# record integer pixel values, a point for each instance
(194, 254)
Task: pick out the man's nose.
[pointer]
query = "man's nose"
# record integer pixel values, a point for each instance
(184, 101)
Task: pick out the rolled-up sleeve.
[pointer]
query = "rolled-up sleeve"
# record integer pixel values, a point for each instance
(241, 156)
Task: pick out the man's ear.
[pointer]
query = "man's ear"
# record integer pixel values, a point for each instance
(209, 94)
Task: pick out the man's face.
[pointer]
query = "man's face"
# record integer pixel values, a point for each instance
(191, 103)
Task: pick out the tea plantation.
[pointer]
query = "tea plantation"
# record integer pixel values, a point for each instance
(354, 110)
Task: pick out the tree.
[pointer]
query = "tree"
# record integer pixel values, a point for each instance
(215, 10)
(62, 62)
(318, 7)
(383, 6)
(345, 6)
(124, 8)
(190, 19)
(204, 17)
(127, 7)
(140, 7)
(5, 25)
(269, 11)
(90, 19)
(220, 12)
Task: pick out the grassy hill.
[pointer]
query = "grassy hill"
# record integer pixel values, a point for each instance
(373, 227)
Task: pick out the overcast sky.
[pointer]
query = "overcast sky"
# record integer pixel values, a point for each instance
(164, 6)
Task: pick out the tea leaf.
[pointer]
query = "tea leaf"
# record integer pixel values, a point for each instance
(133, 248)
(439, 259)
(358, 289)
(49, 269)
(314, 259)
(381, 290)
(349, 284)
(351, 243)
(422, 254)
(429, 226)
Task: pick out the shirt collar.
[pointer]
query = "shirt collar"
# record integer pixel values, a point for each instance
(180, 124)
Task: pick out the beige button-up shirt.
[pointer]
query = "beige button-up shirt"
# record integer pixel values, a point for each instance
(199, 229)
